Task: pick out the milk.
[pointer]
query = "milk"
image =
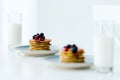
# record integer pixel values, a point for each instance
(103, 51)
(14, 34)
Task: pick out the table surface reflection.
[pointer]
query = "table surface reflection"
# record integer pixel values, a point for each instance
(15, 66)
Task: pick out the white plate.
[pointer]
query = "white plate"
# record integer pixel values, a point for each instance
(25, 50)
(54, 62)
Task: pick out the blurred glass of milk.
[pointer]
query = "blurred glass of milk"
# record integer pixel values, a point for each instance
(104, 47)
(14, 30)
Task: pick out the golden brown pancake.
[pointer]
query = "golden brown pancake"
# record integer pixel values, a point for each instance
(69, 56)
(39, 45)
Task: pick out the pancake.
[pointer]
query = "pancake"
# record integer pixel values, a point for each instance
(39, 42)
(71, 54)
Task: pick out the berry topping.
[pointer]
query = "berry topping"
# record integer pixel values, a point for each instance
(37, 33)
(38, 36)
(72, 47)
(68, 46)
(43, 37)
(41, 34)
(65, 49)
(34, 36)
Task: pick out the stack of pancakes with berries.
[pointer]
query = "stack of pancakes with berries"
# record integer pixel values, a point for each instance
(39, 42)
(71, 53)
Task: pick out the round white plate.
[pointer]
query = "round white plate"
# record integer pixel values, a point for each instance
(54, 62)
(25, 50)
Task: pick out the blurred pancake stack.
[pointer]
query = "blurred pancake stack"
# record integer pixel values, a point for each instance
(72, 54)
(39, 42)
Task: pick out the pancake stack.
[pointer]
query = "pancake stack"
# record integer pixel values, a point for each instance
(72, 54)
(39, 42)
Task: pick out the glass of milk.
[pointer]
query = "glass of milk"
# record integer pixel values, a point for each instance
(104, 47)
(14, 30)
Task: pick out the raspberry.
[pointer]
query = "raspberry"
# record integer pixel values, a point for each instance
(65, 49)
(43, 37)
(40, 39)
(36, 37)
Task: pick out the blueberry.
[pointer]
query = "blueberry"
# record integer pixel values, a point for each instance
(37, 33)
(74, 49)
(34, 36)
(41, 34)
(43, 37)
(74, 45)
(68, 46)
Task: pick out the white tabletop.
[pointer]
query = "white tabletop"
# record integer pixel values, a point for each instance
(15, 66)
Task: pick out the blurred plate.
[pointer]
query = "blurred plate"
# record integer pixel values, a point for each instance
(54, 61)
(25, 50)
